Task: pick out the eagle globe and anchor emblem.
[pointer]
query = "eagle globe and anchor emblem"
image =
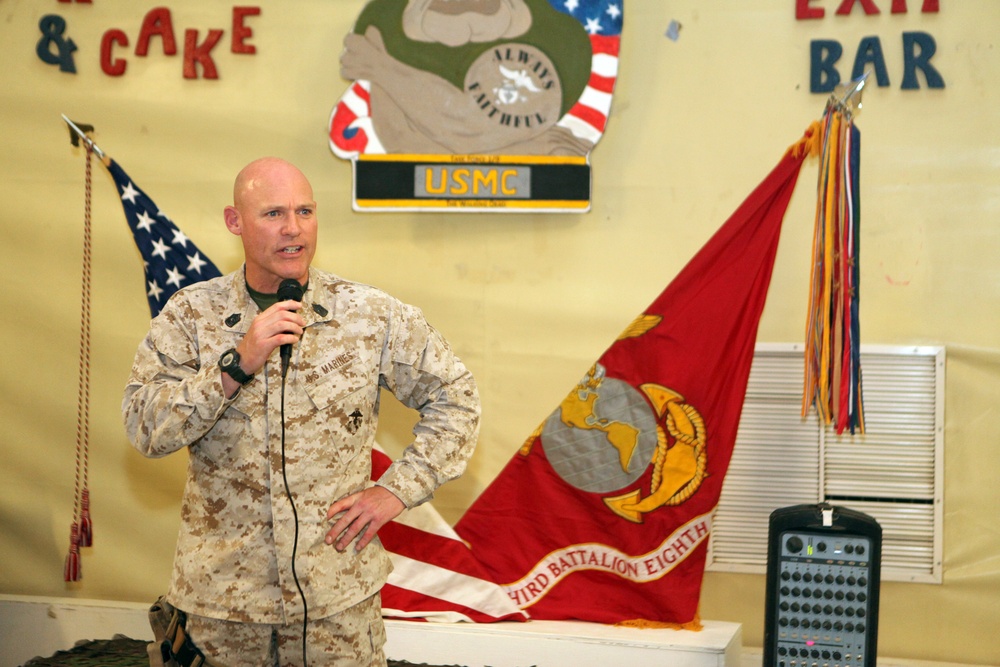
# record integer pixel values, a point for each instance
(606, 433)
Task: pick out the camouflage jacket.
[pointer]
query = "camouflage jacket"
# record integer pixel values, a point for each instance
(234, 550)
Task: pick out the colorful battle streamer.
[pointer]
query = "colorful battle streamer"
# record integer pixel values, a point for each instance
(832, 355)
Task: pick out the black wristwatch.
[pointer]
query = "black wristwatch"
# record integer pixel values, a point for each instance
(229, 362)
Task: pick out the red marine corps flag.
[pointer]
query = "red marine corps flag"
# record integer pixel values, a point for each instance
(605, 512)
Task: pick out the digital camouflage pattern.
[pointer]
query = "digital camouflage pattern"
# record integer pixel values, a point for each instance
(234, 550)
(352, 638)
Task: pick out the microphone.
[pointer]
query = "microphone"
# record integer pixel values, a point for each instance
(289, 289)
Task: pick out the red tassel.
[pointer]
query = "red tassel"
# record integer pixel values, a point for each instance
(71, 571)
(86, 526)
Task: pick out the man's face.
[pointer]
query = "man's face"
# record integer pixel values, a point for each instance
(275, 215)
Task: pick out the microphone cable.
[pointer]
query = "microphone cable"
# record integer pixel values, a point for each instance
(295, 515)
(290, 289)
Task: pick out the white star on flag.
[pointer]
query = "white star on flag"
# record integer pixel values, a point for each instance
(176, 277)
(195, 262)
(154, 291)
(145, 222)
(129, 193)
(170, 259)
(160, 248)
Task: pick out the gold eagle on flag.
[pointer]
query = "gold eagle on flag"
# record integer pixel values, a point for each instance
(679, 459)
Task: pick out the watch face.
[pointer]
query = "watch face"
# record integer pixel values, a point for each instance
(228, 358)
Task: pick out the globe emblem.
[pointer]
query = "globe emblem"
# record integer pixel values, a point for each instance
(506, 94)
(602, 437)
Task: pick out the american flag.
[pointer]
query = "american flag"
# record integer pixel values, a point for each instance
(435, 577)
(170, 258)
(599, 17)
(350, 129)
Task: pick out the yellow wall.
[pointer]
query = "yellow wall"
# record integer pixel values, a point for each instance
(530, 301)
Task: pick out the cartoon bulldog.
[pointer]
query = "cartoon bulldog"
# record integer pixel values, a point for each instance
(469, 77)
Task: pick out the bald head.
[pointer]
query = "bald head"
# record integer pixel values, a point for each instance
(274, 213)
(261, 173)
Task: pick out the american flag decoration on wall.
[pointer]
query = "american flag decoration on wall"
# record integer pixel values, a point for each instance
(351, 131)
(603, 22)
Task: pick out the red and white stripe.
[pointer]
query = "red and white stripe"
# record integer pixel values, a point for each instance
(351, 132)
(435, 577)
(589, 116)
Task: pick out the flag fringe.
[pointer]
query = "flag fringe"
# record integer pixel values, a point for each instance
(832, 382)
(645, 624)
(810, 144)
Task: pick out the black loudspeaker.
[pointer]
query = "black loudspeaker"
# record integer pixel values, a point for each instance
(823, 568)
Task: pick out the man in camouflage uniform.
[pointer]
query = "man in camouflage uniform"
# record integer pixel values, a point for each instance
(233, 572)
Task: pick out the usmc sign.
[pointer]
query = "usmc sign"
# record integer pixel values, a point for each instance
(467, 105)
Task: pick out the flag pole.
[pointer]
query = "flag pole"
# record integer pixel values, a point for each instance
(77, 134)
(846, 102)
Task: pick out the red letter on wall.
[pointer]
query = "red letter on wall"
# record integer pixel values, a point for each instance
(201, 53)
(157, 22)
(804, 11)
(113, 67)
(847, 5)
(930, 7)
(241, 32)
